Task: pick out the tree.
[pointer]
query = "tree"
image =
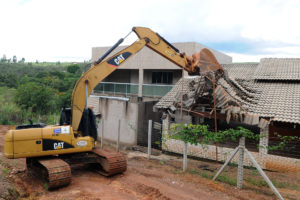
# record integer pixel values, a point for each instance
(73, 68)
(37, 97)
(8, 80)
(22, 60)
(15, 59)
(3, 59)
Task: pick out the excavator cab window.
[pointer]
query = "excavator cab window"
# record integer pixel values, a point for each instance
(65, 116)
(31, 125)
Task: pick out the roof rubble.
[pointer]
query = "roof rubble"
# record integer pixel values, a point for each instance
(245, 94)
(232, 99)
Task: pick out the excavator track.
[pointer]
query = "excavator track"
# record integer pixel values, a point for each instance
(54, 171)
(57, 171)
(111, 163)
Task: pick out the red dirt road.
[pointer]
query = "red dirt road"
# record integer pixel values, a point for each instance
(144, 179)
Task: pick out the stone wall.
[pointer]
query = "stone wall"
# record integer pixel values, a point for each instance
(266, 161)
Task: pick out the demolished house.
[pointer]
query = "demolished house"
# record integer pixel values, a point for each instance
(264, 97)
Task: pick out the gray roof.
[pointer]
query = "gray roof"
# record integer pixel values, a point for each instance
(277, 96)
(279, 100)
(278, 69)
(241, 70)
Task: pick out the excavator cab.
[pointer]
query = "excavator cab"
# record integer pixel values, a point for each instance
(65, 116)
(87, 126)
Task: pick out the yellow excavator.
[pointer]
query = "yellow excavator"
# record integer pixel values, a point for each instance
(51, 150)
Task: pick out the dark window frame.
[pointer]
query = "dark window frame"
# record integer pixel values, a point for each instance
(162, 77)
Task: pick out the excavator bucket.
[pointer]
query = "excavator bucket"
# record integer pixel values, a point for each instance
(203, 62)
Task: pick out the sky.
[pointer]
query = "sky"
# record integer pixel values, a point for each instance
(63, 30)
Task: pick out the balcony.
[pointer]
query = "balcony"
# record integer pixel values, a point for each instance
(131, 89)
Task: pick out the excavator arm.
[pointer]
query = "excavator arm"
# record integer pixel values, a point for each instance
(90, 79)
(201, 62)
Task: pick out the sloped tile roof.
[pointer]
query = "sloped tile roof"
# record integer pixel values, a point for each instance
(279, 100)
(278, 69)
(241, 70)
(274, 98)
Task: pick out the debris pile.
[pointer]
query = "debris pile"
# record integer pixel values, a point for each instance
(235, 100)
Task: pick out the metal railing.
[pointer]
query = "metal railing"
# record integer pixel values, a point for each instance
(127, 89)
(154, 90)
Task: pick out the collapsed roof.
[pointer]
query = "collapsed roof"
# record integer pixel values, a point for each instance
(250, 92)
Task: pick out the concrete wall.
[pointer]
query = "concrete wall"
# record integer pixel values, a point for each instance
(93, 103)
(148, 59)
(112, 111)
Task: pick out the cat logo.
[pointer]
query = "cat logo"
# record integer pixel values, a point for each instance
(118, 60)
(58, 145)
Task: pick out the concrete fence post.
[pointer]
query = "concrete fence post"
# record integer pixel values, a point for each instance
(263, 146)
(241, 163)
(226, 163)
(149, 137)
(118, 139)
(102, 134)
(185, 156)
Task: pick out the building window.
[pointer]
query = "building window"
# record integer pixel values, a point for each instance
(162, 77)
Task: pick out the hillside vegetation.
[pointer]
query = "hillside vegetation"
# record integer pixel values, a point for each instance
(36, 91)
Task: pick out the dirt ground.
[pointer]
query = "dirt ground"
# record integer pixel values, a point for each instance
(160, 178)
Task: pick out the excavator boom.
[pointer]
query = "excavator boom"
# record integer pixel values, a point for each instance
(201, 62)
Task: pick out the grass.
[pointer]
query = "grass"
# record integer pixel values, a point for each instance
(13, 193)
(262, 183)
(46, 186)
(193, 171)
(254, 172)
(256, 182)
(177, 171)
(162, 162)
(285, 185)
(222, 178)
(206, 175)
(227, 179)
(5, 170)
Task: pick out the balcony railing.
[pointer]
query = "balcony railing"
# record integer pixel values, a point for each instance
(128, 89)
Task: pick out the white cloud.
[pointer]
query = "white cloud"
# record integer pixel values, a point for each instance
(65, 29)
